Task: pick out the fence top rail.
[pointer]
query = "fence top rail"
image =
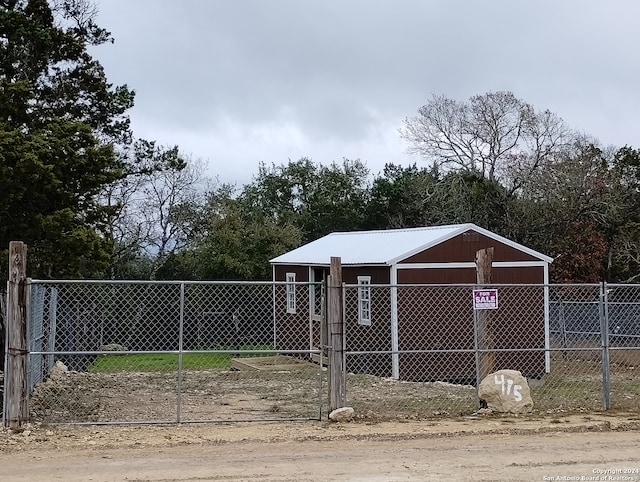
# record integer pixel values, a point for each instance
(169, 282)
(471, 285)
(175, 352)
(593, 302)
(346, 285)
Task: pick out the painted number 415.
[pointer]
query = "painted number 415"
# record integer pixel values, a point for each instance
(508, 387)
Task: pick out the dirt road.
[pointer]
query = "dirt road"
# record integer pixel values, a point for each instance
(570, 448)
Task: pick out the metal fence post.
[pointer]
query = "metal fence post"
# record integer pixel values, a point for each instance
(323, 342)
(604, 332)
(180, 349)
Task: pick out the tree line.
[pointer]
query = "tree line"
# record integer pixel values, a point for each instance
(581, 209)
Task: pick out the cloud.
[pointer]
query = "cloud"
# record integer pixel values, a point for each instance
(234, 148)
(238, 83)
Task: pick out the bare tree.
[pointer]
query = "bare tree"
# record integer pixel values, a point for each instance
(545, 139)
(166, 205)
(495, 135)
(154, 212)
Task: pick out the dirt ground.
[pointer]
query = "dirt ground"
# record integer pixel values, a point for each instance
(224, 395)
(401, 432)
(479, 448)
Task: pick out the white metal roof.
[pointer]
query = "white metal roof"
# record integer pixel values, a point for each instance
(385, 247)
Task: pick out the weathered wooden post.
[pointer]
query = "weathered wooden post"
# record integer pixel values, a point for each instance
(337, 382)
(484, 262)
(16, 389)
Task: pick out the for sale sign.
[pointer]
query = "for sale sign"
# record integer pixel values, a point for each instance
(485, 299)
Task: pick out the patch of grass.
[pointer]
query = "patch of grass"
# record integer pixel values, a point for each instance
(168, 362)
(159, 362)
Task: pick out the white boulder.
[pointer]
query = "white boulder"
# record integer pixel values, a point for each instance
(343, 414)
(506, 391)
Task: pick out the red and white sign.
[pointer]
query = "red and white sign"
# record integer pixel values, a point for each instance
(485, 299)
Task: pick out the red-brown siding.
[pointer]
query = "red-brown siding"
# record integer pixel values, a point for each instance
(302, 273)
(379, 274)
(463, 248)
(500, 275)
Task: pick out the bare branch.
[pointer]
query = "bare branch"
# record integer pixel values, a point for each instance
(495, 134)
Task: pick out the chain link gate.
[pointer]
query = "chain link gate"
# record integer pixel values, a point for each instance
(156, 352)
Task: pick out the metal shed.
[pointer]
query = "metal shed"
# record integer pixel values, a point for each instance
(436, 255)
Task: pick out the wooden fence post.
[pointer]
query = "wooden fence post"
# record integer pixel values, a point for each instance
(3, 324)
(337, 382)
(16, 389)
(484, 263)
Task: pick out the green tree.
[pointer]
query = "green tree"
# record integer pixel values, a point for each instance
(466, 197)
(51, 180)
(241, 244)
(402, 197)
(317, 199)
(59, 122)
(234, 242)
(411, 197)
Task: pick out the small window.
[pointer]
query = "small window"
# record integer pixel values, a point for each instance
(364, 300)
(291, 293)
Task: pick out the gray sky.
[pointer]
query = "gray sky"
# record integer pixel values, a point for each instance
(237, 82)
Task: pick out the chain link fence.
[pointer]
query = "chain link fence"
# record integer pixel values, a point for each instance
(152, 352)
(113, 352)
(424, 348)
